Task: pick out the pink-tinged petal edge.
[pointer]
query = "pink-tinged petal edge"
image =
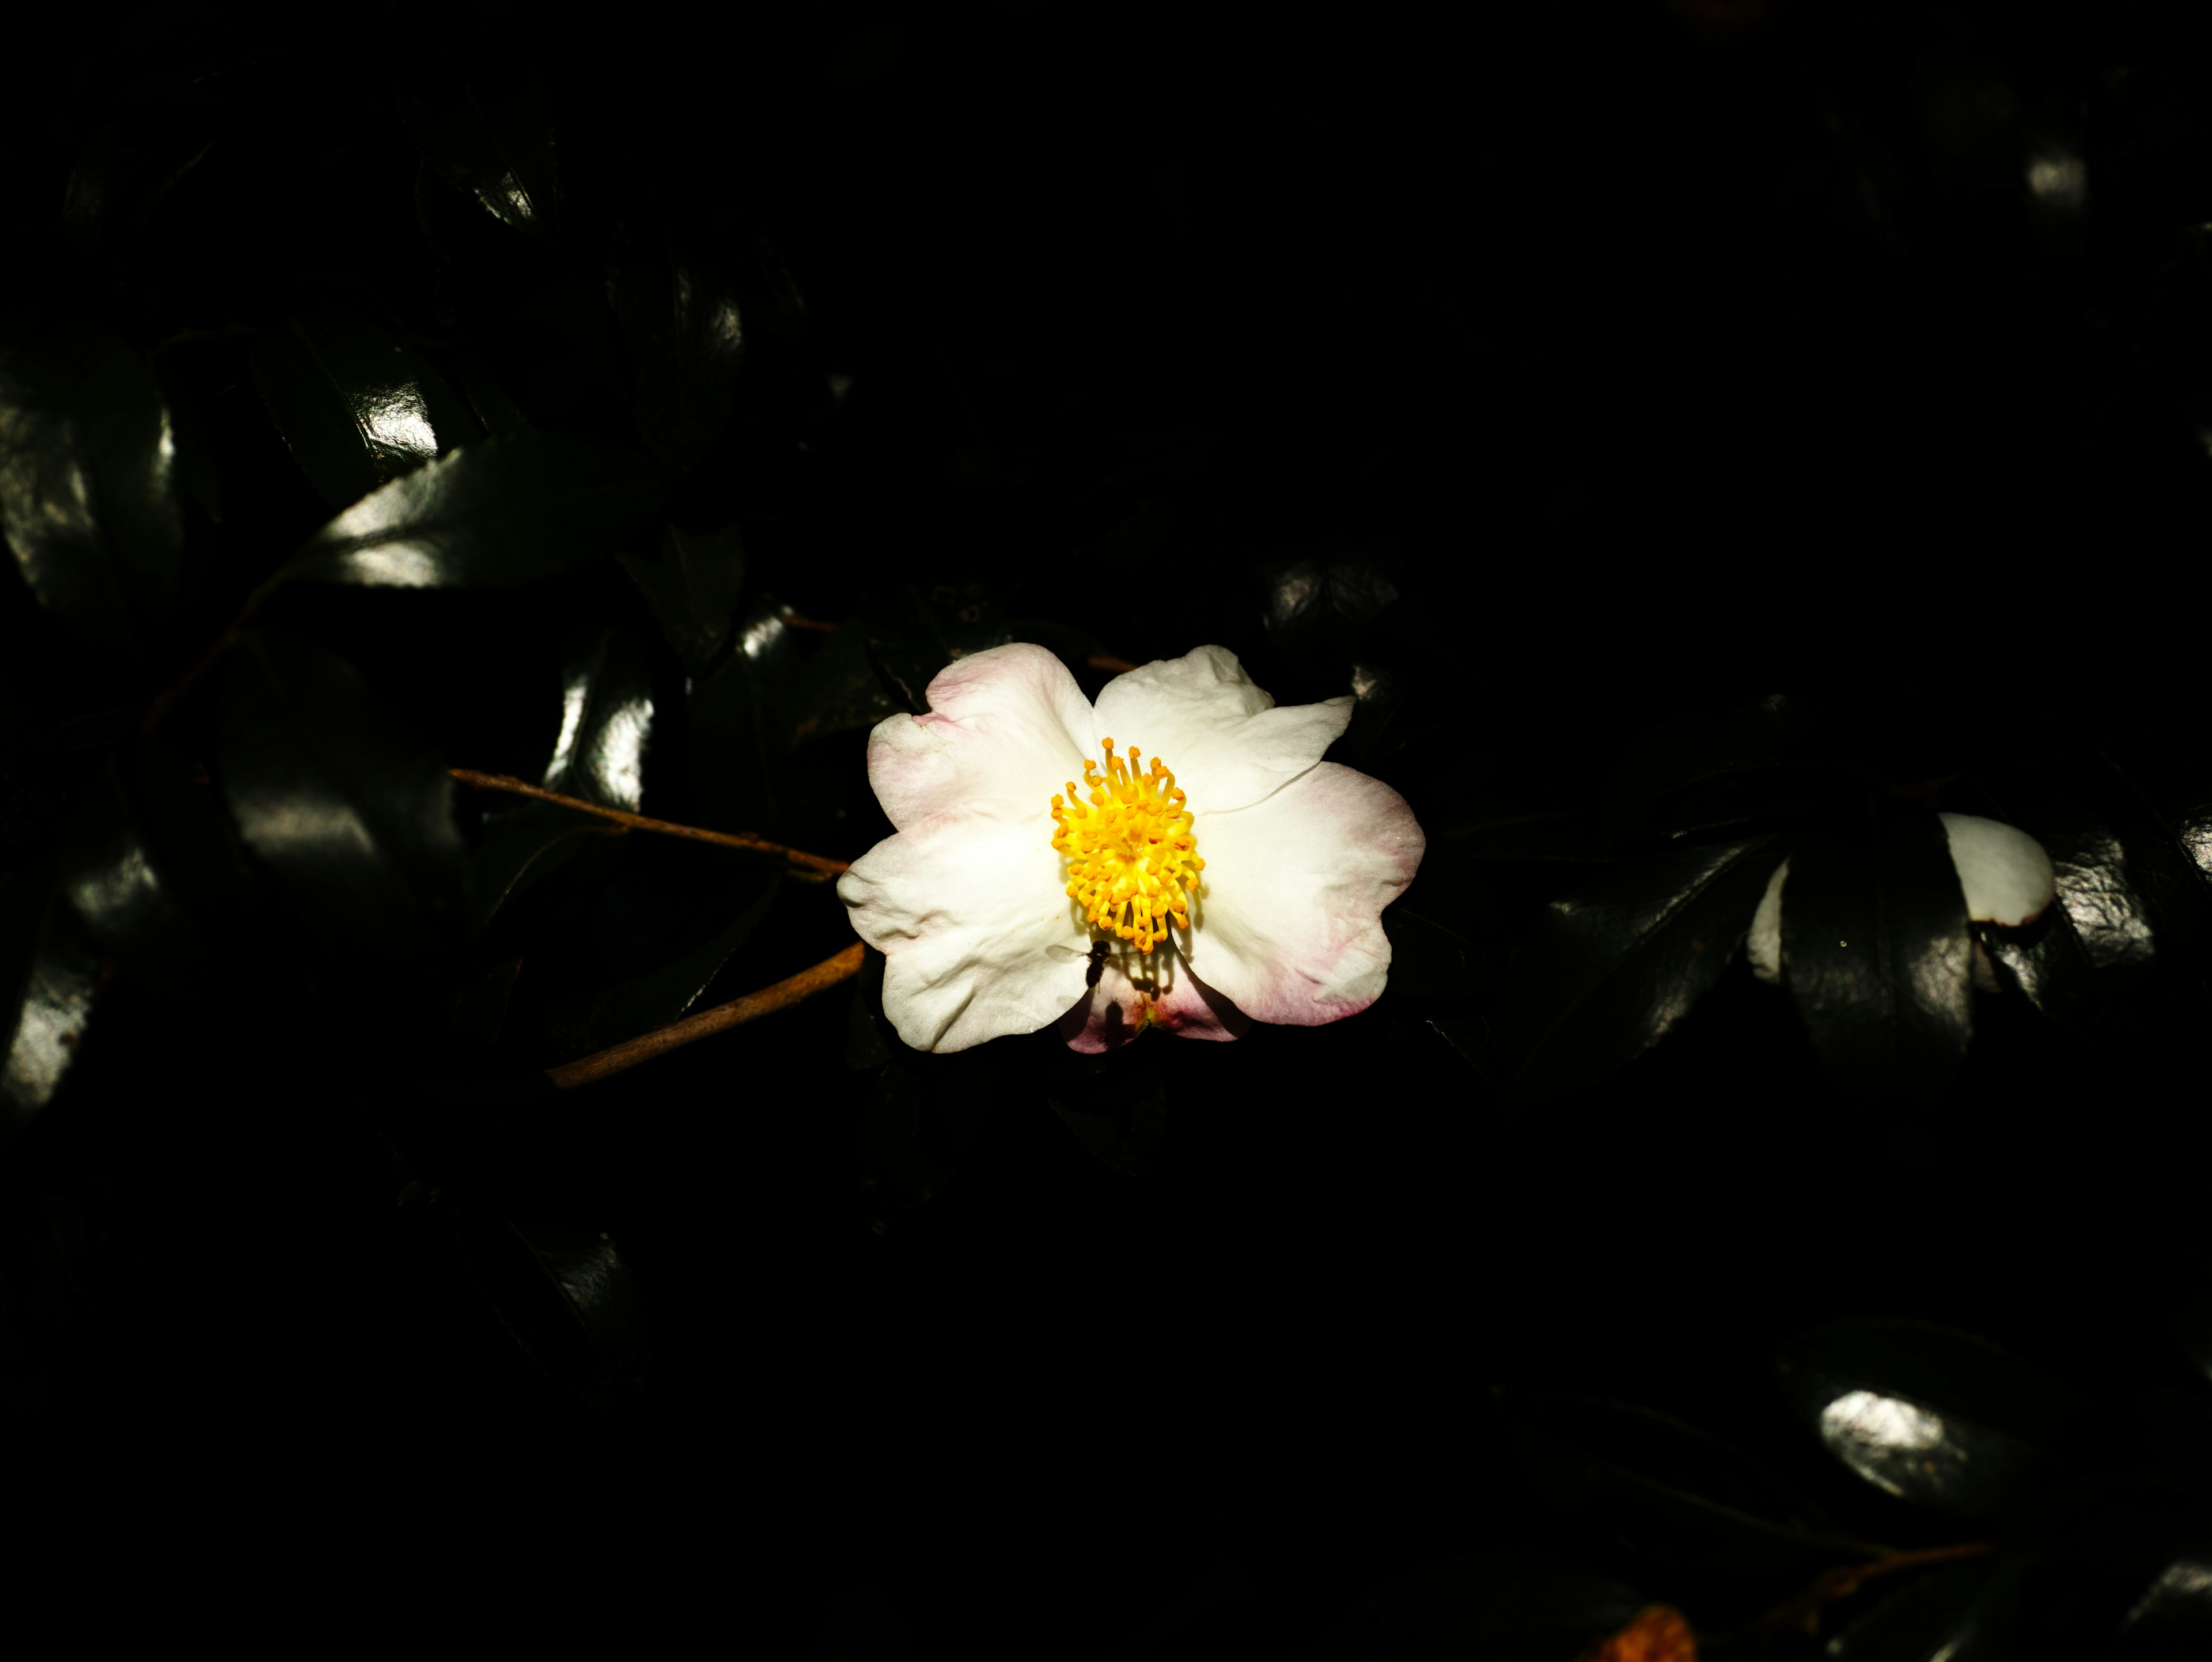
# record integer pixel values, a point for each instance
(1110, 1015)
(1291, 921)
(1008, 722)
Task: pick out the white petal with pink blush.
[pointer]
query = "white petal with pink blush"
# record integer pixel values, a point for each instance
(1276, 864)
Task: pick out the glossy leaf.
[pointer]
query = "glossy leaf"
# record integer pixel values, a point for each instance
(1877, 954)
(839, 688)
(2173, 1617)
(49, 979)
(687, 345)
(356, 407)
(564, 1293)
(1672, 1491)
(1965, 1612)
(913, 634)
(1499, 1607)
(741, 718)
(1607, 972)
(148, 861)
(352, 819)
(1431, 959)
(606, 722)
(88, 486)
(506, 510)
(488, 133)
(2133, 906)
(1934, 1416)
(693, 587)
(664, 996)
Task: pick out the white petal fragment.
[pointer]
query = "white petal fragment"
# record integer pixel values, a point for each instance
(1763, 945)
(1009, 722)
(962, 905)
(1228, 742)
(1290, 919)
(1171, 998)
(2006, 875)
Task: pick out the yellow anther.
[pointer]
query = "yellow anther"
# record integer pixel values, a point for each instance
(1131, 850)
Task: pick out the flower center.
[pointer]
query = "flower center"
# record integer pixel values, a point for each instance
(1131, 857)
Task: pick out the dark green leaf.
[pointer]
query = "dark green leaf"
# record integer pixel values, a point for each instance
(1936, 1417)
(912, 634)
(564, 1293)
(488, 133)
(149, 861)
(742, 718)
(466, 372)
(356, 407)
(1671, 1491)
(2174, 1617)
(1877, 954)
(693, 588)
(507, 509)
(49, 978)
(1608, 972)
(839, 690)
(352, 819)
(87, 488)
(1430, 959)
(655, 1000)
(195, 436)
(679, 316)
(1968, 1612)
(2132, 898)
(606, 723)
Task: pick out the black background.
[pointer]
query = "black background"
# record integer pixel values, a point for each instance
(1647, 361)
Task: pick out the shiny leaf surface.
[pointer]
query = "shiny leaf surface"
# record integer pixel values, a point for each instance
(665, 993)
(693, 587)
(49, 978)
(357, 408)
(1965, 1612)
(1876, 952)
(488, 133)
(687, 345)
(1606, 973)
(352, 819)
(1677, 1493)
(88, 486)
(506, 509)
(1934, 1416)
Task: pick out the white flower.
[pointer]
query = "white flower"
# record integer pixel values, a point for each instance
(1253, 862)
(2005, 873)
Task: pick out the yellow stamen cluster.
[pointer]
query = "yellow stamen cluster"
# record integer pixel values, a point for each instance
(1131, 859)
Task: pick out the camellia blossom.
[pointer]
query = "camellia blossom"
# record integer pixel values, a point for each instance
(1232, 877)
(2006, 875)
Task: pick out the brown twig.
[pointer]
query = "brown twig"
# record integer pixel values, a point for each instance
(224, 642)
(644, 1048)
(1845, 1579)
(810, 867)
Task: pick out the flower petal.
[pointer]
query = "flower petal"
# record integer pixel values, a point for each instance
(1762, 945)
(2007, 876)
(1118, 1009)
(1007, 723)
(1289, 923)
(1226, 740)
(962, 905)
